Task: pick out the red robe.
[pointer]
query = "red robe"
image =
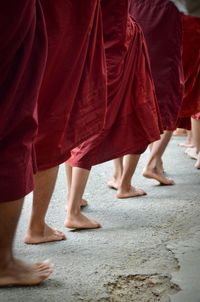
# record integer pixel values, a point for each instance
(72, 99)
(161, 23)
(191, 65)
(22, 62)
(132, 120)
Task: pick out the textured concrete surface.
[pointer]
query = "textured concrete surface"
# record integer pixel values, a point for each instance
(148, 249)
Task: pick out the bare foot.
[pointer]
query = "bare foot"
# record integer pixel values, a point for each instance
(158, 175)
(43, 236)
(197, 164)
(113, 183)
(18, 273)
(83, 203)
(131, 192)
(186, 145)
(180, 132)
(191, 152)
(80, 221)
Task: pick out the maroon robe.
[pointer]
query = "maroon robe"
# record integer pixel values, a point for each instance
(191, 65)
(161, 23)
(22, 62)
(132, 119)
(72, 99)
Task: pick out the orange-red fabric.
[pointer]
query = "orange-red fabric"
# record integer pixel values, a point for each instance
(132, 120)
(72, 100)
(191, 65)
(161, 23)
(22, 61)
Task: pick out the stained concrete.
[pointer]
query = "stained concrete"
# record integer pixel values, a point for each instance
(147, 250)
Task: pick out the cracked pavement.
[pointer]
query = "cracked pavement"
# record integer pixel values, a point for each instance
(148, 249)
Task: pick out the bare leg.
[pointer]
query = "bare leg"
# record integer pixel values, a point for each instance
(39, 231)
(75, 219)
(12, 270)
(196, 139)
(197, 164)
(125, 189)
(179, 132)
(118, 171)
(153, 168)
(68, 168)
(188, 142)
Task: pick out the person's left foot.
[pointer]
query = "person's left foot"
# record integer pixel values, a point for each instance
(191, 152)
(186, 145)
(20, 273)
(130, 192)
(113, 183)
(83, 203)
(42, 236)
(79, 222)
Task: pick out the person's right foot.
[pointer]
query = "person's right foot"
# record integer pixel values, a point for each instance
(47, 234)
(18, 273)
(130, 192)
(81, 222)
(158, 175)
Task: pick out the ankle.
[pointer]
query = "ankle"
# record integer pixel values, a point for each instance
(124, 186)
(37, 226)
(5, 259)
(117, 176)
(71, 213)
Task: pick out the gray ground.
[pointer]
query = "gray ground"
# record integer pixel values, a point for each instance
(148, 249)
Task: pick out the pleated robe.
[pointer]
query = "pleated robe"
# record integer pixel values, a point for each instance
(161, 23)
(132, 119)
(23, 51)
(72, 100)
(191, 66)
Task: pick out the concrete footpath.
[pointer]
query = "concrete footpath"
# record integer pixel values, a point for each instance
(147, 251)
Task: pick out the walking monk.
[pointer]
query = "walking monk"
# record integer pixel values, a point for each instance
(22, 62)
(71, 105)
(131, 101)
(191, 64)
(161, 23)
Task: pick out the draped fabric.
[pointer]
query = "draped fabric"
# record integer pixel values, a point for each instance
(72, 99)
(191, 65)
(184, 123)
(132, 119)
(22, 42)
(161, 23)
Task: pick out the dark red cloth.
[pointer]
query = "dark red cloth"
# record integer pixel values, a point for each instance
(184, 123)
(161, 23)
(191, 65)
(22, 62)
(72, 100)
(132, 120)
